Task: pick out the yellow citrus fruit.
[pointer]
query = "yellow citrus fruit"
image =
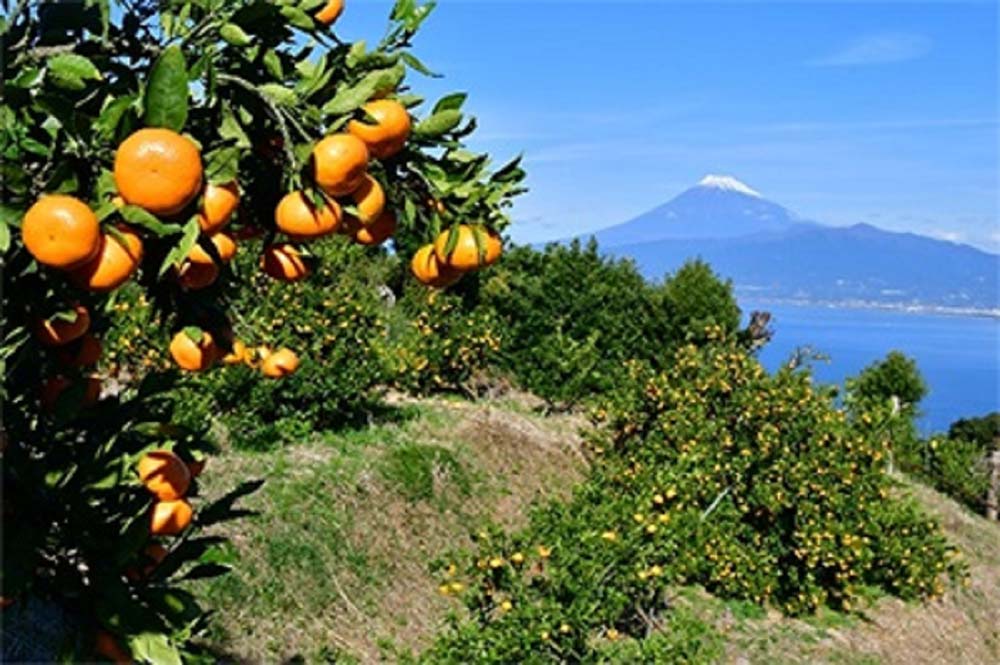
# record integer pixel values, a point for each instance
(164, 474)
(218, 203)
(386, 132)
(193, 356)
(279, 363)
(340, 162)
(369, 200)
(300, 218)
(169, 518)
(159, 170)
(61, 232)
(113, 265)
(225, 248)
(428, 270)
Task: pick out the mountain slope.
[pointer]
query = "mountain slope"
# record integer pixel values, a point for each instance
(770, 252)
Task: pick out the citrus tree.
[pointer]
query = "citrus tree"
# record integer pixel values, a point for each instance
(143, 142)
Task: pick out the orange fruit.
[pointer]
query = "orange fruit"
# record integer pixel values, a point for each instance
(114, 264)
(151, 557)
(494, 247)
(56, 332)
(197, 276)
(107, 646)
(56, 385)
(340, 162)
(428, 270)
(169, 518)
(297, 216)
(279, 363)
(238, 355)
(61, 231)
(85, 352)
(378, 231)
(465, 254)
(391, 128)
(224, 245)
(369, 199)
(329, 12)
(159, 170)
(218, 203)
(193, 356)
(164, 474)
(283, 262)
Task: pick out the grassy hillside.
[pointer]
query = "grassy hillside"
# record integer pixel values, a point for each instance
(336, 564)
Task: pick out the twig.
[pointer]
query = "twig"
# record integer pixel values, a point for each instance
(275, 112)
(715, 503)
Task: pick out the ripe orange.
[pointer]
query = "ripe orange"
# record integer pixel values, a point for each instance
(465, 254)
(152, 556)
(298, 217)
(329, 12)
(494, 247)
(279, 363)
(238, 355)
(113, 265)
(197, 276)
(388, 134)
(369, 199)
(159, 170)
(169, 518)
(61, 231)
(56, 385)
(378, 231)
(83, 353)
(56, 332)
(284, 262)
(193, 356)
(107, 646)
(164, 474)
(217, 205)
(224, 245)
(428, 270)
(340, 162)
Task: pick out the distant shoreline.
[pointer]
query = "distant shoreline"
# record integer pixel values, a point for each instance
(900, 308)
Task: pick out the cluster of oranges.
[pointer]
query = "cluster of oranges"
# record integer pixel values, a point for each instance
(167, 478)
(76, 348)
(472, 247)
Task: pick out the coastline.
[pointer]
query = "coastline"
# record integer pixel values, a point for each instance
(901, 308)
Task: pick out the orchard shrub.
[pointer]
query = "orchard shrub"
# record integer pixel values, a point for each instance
(709, 472)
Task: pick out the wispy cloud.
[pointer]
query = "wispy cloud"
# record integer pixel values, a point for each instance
(876, 50)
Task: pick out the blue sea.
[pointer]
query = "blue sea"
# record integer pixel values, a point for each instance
(959, 356)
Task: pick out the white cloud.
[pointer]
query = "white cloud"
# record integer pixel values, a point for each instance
(876, 50)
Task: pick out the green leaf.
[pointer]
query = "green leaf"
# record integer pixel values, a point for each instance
(222, 165)
(452, 102)
(70, 71)
(111, 115)
(298, 18)
(272, 63)
(140, 217)
(356, 53)
(4, 237)
(438, 124)
(416, 65)
(279, 94)
(231, 130)
(233, 34)
(180, 251)
(193, 333)
(350, 99)
(167, 91)
(154, 648)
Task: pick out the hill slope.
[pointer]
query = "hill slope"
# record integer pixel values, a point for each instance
(336, 566)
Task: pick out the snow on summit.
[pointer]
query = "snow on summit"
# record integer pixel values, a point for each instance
(728, 183)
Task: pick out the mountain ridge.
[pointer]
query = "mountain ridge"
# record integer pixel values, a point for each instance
(770, 251)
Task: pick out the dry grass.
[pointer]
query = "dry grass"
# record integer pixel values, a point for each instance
(336, 564)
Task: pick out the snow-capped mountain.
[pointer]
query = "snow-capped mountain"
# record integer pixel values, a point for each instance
(770, 252)
(717, 207)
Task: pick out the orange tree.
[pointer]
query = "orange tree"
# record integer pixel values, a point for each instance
(142, 142)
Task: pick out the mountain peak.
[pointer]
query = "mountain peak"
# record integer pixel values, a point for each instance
(728, 183)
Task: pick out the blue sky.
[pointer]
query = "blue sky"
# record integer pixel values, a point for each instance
(845, 112)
